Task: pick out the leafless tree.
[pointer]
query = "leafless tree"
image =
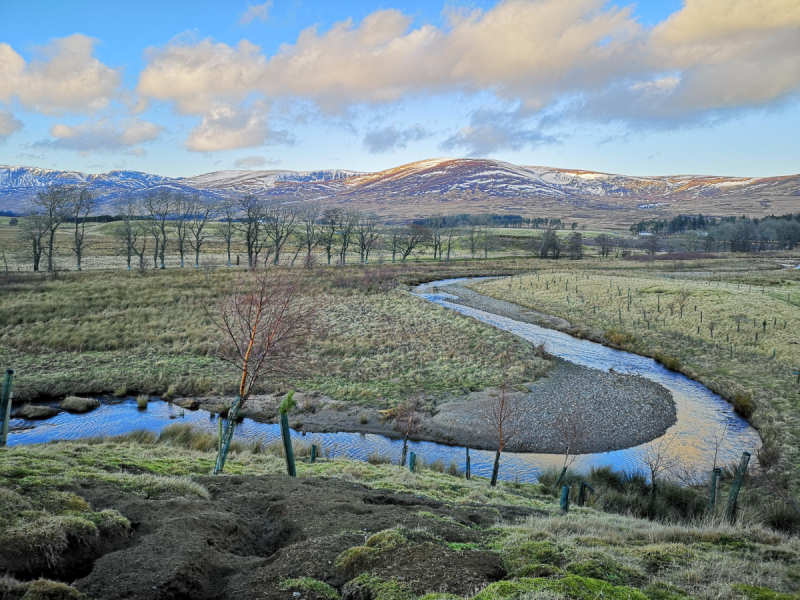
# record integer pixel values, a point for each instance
(605, 243)
(308, 230)
(651, 244)
(329, 226)
(436, 225)
(413, 238)
(575, 245)
(227, 229)
(53, 205)
(658, 458)
(407, 421)
(182, 206)
(264, 323)
(128, 230)
(366, 235)
(719, 438)
(451, 237)
(157, 207)
(250, 225)
(280, 222)
(472, 236)
(81, 207)
(571, 430)
(486, 238)
(3, 257)
(503, 413)
(712, 325)
(682, 299)
(394, 235)
(347, 227)
(32, 234)
(201, 213)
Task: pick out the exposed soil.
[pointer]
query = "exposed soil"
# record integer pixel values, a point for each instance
(256, 531)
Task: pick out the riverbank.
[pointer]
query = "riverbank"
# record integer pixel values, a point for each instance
(138, 517)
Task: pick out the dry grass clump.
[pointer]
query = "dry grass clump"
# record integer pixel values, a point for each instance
(34, 412)
(76, 404)
(142, 401)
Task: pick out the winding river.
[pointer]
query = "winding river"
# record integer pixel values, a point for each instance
(701, 414)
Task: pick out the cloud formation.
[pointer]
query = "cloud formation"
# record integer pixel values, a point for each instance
(103, 135)
(254, 162)
(227, 127)
(492, 131)
(253, 12)
(539, 53)
(8, 124)
(64, 77)
(386, 139)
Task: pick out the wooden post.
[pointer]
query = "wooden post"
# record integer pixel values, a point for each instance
(730, 513)
(716, 475)
(5, 406)
(565, 499)
(412, 461)
(288, 451)
(495, 469)
(313, 453)
(467, 471)
(219, 433)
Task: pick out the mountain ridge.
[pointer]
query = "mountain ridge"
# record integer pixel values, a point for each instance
(442, 179)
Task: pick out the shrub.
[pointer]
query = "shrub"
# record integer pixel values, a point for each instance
(376, 458)
(743, 404)
(75, 404)
(619, 338)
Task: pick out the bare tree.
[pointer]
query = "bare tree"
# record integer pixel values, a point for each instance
(486, 238)
(651, 244)
(407, 420)
(436, 226)
(280, 221)
(570, 430)
(227, 229)
(575, 245)
(83, 204)
(503, 414)
(53, 203)
(201, 213)
(413, 238)
(182, 207)
(659, 459)
(347, 228)
(308, 230)
(129, 228)
(329, 226)
(395, 235)
(252, 211)
(606, 243)
(366, 236)
(451, 238)
(158, 209)
(473, 237)
(682, 299)
(264, 323)
(32, 234)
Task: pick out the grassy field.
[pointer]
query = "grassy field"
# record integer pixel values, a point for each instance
(737, 333)
(586, 555)
(100, 332)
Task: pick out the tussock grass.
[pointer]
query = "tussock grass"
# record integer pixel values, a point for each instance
(76, 404)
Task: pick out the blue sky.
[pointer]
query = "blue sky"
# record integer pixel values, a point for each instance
(181, 88)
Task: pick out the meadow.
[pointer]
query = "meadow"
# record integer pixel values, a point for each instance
(730, 323)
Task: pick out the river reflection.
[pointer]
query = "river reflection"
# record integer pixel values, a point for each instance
(700, 414)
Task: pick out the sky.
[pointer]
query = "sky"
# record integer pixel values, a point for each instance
(179, 88)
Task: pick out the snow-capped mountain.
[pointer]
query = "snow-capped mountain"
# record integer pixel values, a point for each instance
(438, 179)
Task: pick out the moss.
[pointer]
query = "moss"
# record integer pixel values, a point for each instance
(605, 568)
(538, 570)
(318, 588)
(388, 539)
(539, 552)
(572, 587)
(359, 558)
(762, 593)
(370, 586)
(658, 557)
(660, 590)
(44, 589)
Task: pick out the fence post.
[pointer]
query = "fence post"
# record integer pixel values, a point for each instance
(313, 453)
(565, 499)
(730, 513)
(5, 406)
(227, 437)
(287, 446)
(560, 477)
(467, 470)
(412, 461)
(716, 474)
(582, 494)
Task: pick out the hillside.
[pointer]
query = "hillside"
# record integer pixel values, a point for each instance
(449, 186)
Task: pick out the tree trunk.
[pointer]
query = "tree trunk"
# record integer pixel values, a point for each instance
(495, 469)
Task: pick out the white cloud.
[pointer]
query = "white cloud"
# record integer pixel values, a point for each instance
(64, 77)
(386, 139)
(254, 162)
(492, 130)
(102, 135)
(253, 12)
(226, 127)
(8, 124)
